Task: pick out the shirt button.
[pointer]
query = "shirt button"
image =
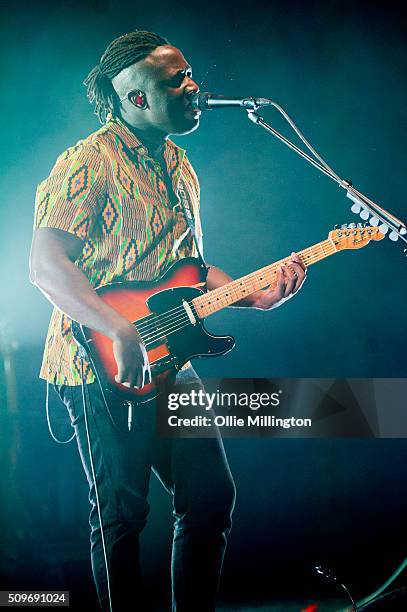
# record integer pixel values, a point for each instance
(157, 168)
(142, 151)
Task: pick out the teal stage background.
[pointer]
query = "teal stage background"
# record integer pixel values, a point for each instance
(339, 69)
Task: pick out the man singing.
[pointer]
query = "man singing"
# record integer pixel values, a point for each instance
(109, 211)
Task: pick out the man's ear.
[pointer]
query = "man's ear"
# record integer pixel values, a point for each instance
(138, 99)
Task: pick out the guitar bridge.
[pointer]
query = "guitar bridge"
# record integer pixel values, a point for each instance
(189, 312)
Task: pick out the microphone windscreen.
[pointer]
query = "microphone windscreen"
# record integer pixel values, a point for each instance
(199, 101)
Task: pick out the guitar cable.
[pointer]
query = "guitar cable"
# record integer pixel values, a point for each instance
(53, 436)
(68, 440)
(331, 577)
(102, 534)
(82, 353)
(376, 594)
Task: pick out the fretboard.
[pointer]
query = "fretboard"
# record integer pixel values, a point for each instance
(236, 290)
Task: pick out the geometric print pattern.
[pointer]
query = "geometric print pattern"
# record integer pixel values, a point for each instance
(125, 183)
(155, 221)
(130, 256)
(78, 183)
(42, 209)
(110, 216)
(108, 192)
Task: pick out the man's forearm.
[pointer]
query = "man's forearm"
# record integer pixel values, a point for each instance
(65, 285)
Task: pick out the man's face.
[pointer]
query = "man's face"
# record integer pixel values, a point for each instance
(166, 78)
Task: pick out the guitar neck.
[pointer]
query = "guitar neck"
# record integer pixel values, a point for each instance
(236, 290)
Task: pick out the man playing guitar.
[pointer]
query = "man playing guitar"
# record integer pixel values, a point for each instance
(110, 211)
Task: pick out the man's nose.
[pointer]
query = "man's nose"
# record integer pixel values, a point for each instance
(191, 87)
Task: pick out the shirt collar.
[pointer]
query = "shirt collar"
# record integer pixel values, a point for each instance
(171, 152)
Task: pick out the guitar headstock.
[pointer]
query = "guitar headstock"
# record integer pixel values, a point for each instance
(354, 236)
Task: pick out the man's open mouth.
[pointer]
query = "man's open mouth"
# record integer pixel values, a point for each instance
(190, 108)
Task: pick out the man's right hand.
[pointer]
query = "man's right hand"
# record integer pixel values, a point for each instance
(131, 358)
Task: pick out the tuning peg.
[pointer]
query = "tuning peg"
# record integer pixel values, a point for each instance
(394, 236)
(336, 226)
(374, 221)
(351, 225)
(403, 231)
(364, 214)
(359, 225)
(344, 226)
(383, 228)
(356, 207)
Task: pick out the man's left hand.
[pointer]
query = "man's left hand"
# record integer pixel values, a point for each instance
(289, 280)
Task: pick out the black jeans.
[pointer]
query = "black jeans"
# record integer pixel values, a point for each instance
(193, 470)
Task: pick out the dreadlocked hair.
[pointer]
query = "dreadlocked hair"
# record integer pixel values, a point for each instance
(121, 53)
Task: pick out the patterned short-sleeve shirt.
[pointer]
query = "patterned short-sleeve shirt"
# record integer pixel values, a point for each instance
(108, 191)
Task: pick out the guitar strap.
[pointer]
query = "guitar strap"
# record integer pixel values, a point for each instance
(182, 200)
(190, 221)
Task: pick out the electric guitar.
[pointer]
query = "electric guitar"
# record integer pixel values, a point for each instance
(169, 313)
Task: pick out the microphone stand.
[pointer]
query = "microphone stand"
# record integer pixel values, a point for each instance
(362, 205)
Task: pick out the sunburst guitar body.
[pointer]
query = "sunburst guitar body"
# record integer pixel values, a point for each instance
(164, 315)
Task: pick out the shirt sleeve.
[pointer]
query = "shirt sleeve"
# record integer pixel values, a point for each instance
(69, 199)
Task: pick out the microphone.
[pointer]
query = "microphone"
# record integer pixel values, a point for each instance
(206, 101)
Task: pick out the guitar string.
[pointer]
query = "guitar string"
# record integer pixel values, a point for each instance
(181, 311)
(249, 279)
(309, 253)
(219, 293)
(234, 287)
(176, 328)
(170, 332)
(152, 336)
(177, 323)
